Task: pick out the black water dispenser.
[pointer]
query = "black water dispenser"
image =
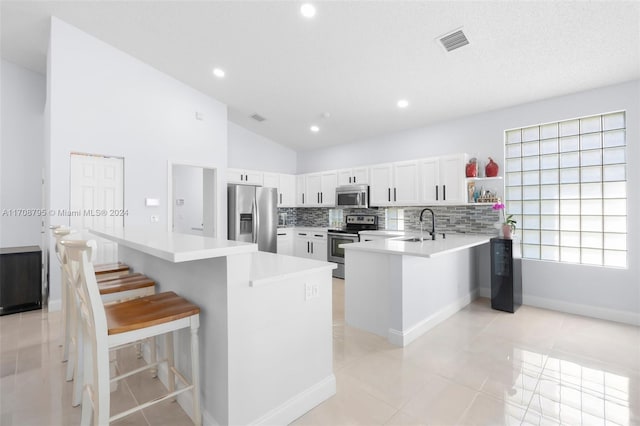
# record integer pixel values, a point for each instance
(506, 276)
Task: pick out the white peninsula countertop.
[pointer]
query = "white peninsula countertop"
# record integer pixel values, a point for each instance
(172, 246)
(426, 248)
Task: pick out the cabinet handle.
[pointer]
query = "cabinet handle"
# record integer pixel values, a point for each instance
(436, 192)
(301, 234)
(321, 197)
(246, 178)
(318, 235)
(312, 247)
(349, 179)
(354, 179)
(394, 195)
(281, 235)
(241, 177)
(302, 198)
(389, 194)
(280, 198)
(444, 192)
(307, 246)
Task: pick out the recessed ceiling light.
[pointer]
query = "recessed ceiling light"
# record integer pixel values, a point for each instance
(308, 10)
(403, 103)
(314, 129)
(218, 72)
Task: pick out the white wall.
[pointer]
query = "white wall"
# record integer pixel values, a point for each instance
(103, 101)
(248, 150)
(22, 94)
(603, 292)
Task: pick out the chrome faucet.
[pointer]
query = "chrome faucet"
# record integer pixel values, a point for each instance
(433, 223)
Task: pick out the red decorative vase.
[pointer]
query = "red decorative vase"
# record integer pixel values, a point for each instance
(471, 169)
(491, 170)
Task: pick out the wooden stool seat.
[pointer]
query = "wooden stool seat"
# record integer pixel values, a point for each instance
(103, 327)
(118, 286)
(110, 268)
(119, 277)
(148, 311)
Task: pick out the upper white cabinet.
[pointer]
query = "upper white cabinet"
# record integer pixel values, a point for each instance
(320, 189)
(355, 176)
(247, 177)
(394, 184)
(442, 180)
(286, 186)
(301, 189)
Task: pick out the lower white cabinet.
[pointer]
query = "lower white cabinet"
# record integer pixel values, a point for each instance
(285, 241)
(310, 244)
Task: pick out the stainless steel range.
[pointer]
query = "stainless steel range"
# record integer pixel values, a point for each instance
(348, 234)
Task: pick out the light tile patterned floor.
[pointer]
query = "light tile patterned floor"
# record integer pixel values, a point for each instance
(480, 367)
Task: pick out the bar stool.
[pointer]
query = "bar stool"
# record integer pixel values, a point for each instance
(115, 284)
(106, 272)
(110, 326)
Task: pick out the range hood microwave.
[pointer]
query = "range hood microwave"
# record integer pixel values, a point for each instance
(352, 196)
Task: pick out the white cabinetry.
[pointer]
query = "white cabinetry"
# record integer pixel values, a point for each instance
(310, 244)
(320, 189)
(353, 176)
(285, 241)
(248, 177)
(286, 186)
(442, 180)
(394, 184)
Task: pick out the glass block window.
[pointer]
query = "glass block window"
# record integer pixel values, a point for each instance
(566, 185)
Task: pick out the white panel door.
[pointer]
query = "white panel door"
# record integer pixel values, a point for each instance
(96, 198)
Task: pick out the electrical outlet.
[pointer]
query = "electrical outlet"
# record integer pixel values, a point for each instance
(311, 291)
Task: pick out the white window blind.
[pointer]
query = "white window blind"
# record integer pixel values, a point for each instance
(566, 185)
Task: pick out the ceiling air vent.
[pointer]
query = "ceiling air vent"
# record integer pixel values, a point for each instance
(454, 40)
(257, 117)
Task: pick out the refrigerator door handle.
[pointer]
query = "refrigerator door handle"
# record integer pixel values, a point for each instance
(254, 214)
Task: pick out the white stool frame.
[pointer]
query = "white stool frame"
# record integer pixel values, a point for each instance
(96, 343)
(70, 306)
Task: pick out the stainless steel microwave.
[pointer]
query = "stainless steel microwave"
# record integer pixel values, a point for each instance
(352, 196)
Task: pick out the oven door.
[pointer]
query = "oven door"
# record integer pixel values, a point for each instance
(335, 253)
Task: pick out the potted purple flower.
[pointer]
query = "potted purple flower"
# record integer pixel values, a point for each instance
(507, 223)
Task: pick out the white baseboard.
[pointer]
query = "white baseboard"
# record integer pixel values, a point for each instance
(54, 305)
(300, 404)
(281, 415)
(616, 315)
(403, 338)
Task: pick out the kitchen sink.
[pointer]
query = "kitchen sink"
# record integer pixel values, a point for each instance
(414, 240)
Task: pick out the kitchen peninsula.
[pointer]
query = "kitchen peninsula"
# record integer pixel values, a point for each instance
(399, 289)
(265, 322)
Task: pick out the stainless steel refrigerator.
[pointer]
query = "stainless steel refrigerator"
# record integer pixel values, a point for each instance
(252, 215)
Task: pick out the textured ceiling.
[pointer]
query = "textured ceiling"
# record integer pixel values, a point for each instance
(354, 59)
